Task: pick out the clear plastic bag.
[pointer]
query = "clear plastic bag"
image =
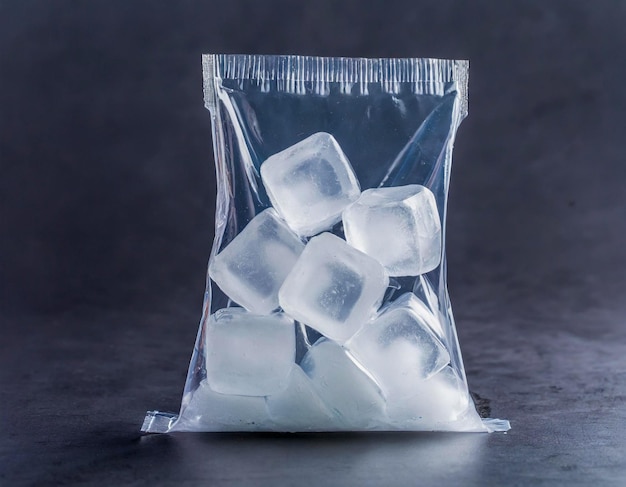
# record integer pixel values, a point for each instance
(326, 305)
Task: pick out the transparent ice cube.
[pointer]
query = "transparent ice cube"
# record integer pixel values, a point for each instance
(441, 398)
(346, 389)
(310, 183)
(298, 407)
(248, 354)
(398, 348)
(398, 226)
(333, 288)
(253, 266)
(207, 410)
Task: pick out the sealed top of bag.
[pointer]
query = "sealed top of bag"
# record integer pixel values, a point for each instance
(325, 75)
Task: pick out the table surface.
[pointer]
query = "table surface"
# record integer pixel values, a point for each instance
(106, 207)
(74, 397)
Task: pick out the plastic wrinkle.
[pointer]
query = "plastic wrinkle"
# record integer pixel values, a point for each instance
(497, 425)
(158, 422)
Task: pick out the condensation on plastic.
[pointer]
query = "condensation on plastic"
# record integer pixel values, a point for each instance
(395, 119)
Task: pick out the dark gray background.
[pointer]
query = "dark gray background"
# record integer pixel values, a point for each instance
(106, 213)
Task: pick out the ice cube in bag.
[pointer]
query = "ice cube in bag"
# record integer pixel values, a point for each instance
(298, 407)
(399, 349)
(310, 183)
(398, 226)
(333, 288)
(248, 354)
(346, 389)
(425, 311)
(207, 410)
(440, 399)
(253, 266)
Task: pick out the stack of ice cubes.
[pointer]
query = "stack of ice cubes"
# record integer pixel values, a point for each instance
(372, 364)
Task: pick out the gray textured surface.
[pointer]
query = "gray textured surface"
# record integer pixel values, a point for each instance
(106, 202)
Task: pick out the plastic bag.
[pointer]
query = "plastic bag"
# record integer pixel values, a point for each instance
(326, 306)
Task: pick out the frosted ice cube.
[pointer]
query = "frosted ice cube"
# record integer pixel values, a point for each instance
(398, 226)
(298, 407)
(207, 410)
(398, 348)
(441, 398)
(247, 354)
(253, 266)
(333, 288)
(424, 311)
(343, 386)
(310, 183)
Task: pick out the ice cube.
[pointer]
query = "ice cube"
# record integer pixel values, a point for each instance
(346, 389)
(207, 410)
(424, 311)
(253, 266)
(398, 348)
(310, 183)
(333, 288)
(248, 354)
(298, 407)
(443, 397)
(398, 226)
